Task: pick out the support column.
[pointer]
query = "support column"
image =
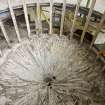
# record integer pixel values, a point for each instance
(14, 20)
(63, 15)
(1, 53)
(88, 20)
(4, 32)
(51, 16)
(98, 29)
(36, 22)
(26, 17)
(39, 17)
(75, 17)
(87, 4)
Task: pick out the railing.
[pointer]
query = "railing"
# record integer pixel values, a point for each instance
(24, 3)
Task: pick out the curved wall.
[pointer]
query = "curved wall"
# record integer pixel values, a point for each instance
(99, 6)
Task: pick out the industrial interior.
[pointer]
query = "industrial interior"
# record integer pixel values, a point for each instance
(52, 52)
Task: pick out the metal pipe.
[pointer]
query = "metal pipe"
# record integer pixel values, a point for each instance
(39, 17)
(87, 4)
(14, 20)
(88, 20)
(63, 15)
(75, 16)
(51, 16)
(4, 32)
(26, 17)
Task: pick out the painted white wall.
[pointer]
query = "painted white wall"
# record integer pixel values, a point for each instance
(100, 39)
(100, 5)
